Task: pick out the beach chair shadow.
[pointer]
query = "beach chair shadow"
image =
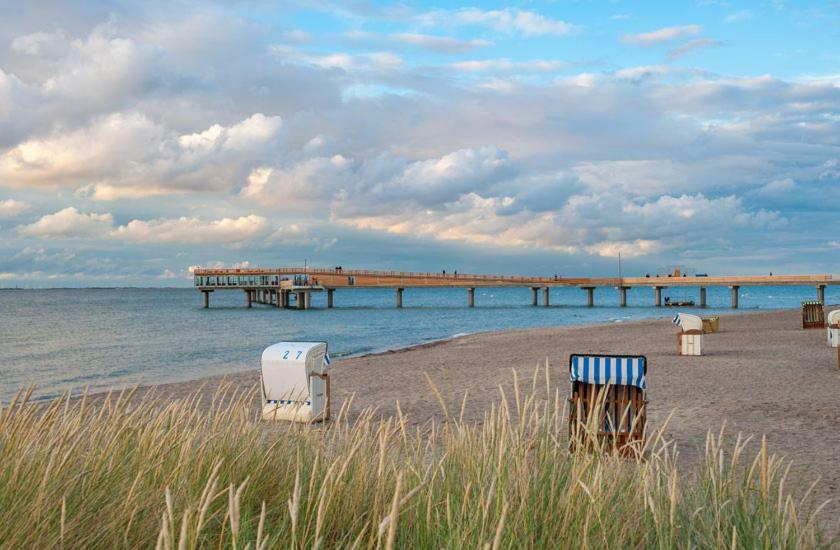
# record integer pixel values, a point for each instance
(607, 406)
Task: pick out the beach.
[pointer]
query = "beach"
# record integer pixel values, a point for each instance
(762, 374)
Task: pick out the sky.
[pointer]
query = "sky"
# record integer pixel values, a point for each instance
(139, 139)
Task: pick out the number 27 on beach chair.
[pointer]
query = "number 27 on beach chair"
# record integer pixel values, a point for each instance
(607, 407)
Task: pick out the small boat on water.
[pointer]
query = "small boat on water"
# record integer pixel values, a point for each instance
(673, 303)
(669, 303)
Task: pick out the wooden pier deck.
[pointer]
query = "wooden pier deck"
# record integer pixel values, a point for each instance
(275, 286)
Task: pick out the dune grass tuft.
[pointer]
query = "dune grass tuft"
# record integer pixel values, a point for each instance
(135, 471)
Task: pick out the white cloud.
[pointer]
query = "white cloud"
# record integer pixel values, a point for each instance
(9, 208)
(643, 72)
(638, 177)
(738, 16)
(127, 155)
(351, 185)
(253, 131)
(110, 142)
(38, 43)
(582, 80)
(632, 249)
(777, 188)
(193, 230)
(298, 235)
(304, 186)
(371, 61)
(440, 44)
(105, 192)
(665, 34)
(507, 65)
(69, 222)
(509, 20)
(599, 224)
(103, 68)
(501, 85)
(693, 45)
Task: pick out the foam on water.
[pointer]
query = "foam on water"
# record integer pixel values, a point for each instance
(103, 338)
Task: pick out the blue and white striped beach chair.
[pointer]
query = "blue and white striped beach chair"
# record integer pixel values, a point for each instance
(615, 388)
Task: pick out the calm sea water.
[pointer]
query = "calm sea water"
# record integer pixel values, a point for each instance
(103, 338)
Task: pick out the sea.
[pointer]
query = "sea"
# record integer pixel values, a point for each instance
(72, 339)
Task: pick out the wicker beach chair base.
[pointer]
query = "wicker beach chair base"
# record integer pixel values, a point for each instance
(607, 404)
(813, 315)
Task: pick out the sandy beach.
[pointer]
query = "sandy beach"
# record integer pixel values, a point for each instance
(762, 374)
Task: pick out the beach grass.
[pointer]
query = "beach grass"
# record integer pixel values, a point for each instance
(137, 471)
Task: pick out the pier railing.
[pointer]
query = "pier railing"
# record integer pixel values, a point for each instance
(464, 278)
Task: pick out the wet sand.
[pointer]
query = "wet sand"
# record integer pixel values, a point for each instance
(762, 374)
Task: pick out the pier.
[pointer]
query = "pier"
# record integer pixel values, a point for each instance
(292, 287)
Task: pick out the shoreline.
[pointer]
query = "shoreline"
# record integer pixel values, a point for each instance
(398, 349)
(428, 344)
(444, 339)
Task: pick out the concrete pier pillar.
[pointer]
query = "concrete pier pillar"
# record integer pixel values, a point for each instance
(330, 297)
(399, 297)
(735, 296)
(301, 301)
(206, 298)
(471, 297)
(657, 295)
(284, 298)
(623, 291)
(279, 298)
(590, 295)
(248, 298)
(702, 296)
(545, 296)
(821, 294)
(534, 291)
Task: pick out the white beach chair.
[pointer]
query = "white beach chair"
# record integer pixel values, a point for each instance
(833, 328)
(295, 382)
(690, 337)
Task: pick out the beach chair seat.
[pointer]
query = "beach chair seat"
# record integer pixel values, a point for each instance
(690, 336)
(813, 315)
(833, 328)
(295, 382)
(608, 396)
